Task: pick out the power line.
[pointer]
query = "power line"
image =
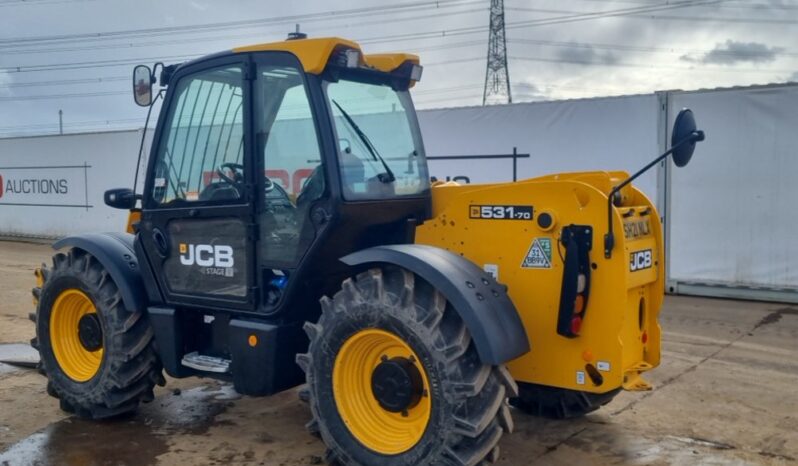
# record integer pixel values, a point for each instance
(62, 96)
(249, 36)
(66, 82)
(642, 15)
(648, 66)
(73, 124)
(755, 6)
(412, 36)
(717, 19)
(112, 93)
(583, 16)
(94, 36)
(103, 79)
(570, 17)
(637, 48)
(393, 38)
(38, 3)
(545, 21)
(93, 64)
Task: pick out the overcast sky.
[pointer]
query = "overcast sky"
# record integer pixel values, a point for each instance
(77, 55)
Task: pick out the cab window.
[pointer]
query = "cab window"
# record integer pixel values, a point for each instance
(200, 156)
(293, 178)
(380, 154)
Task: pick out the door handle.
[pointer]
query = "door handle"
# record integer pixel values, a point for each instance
(161, 244)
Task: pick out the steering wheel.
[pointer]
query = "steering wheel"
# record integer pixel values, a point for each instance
(236, 168)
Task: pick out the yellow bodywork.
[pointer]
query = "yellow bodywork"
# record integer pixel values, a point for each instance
(133, 218)
(315, 53)
(614, 327)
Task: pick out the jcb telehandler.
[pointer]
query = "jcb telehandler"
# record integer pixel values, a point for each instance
(287, 233)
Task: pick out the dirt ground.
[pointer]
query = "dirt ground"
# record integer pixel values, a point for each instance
(725, 394)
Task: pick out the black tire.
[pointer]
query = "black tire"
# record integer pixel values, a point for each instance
(558, 403)
(469, 408)
(130, 367)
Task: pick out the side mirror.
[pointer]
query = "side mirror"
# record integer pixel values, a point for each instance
(142, 85)
(684, 137)
(120, 198)
(683, 140)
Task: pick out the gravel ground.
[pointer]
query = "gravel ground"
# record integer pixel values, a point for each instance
(725, 394)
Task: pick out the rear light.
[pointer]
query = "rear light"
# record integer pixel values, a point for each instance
(576, 325)
(578, 241)
(579, 304)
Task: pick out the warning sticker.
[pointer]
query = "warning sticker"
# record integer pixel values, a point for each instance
(539, 255)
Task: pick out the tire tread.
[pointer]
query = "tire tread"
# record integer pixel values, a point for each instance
(131, 367)
(477, 392)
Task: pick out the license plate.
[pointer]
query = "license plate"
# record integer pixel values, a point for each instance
(636, 228)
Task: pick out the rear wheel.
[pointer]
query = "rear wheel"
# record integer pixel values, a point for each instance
(558, 403)
(99, 358)
(395, 379)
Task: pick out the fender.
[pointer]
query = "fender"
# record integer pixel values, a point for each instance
(491, 318)
(116, 253)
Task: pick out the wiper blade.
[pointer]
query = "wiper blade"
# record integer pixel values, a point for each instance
(388, 176)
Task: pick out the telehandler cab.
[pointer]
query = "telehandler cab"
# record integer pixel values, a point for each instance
(287, 233)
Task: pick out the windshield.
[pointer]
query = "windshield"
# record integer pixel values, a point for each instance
(379, 144)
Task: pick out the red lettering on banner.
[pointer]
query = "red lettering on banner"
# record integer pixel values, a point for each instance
(1, 185)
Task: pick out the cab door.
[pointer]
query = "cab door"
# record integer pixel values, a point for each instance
(197, 217)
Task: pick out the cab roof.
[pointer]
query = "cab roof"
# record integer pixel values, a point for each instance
(315, 53)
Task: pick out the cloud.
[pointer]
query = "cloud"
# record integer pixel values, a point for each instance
(527, 92)
(587, 55)
(793, 77)
(731, 52)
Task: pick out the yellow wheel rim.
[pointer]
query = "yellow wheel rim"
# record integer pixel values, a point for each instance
(78, 363)
(382, 431)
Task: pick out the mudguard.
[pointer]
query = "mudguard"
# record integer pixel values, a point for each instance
(481, 302)
(116, 253)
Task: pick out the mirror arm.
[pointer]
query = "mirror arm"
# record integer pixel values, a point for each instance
(609, 238)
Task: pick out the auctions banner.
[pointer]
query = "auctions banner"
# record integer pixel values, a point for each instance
(57, 186)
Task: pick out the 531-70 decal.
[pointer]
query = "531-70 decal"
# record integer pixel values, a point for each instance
(500, 212)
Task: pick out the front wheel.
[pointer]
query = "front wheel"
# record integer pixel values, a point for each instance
(99, 358)
(394, 378)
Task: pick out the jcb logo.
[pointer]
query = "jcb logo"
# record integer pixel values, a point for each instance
(640, 260)
(206, 255)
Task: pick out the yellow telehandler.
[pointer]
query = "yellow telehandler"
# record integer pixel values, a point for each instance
(287, 232)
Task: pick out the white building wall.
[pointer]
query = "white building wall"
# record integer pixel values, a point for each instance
(731, 214)
(615, 133)
(734, 210)
(53, 186)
